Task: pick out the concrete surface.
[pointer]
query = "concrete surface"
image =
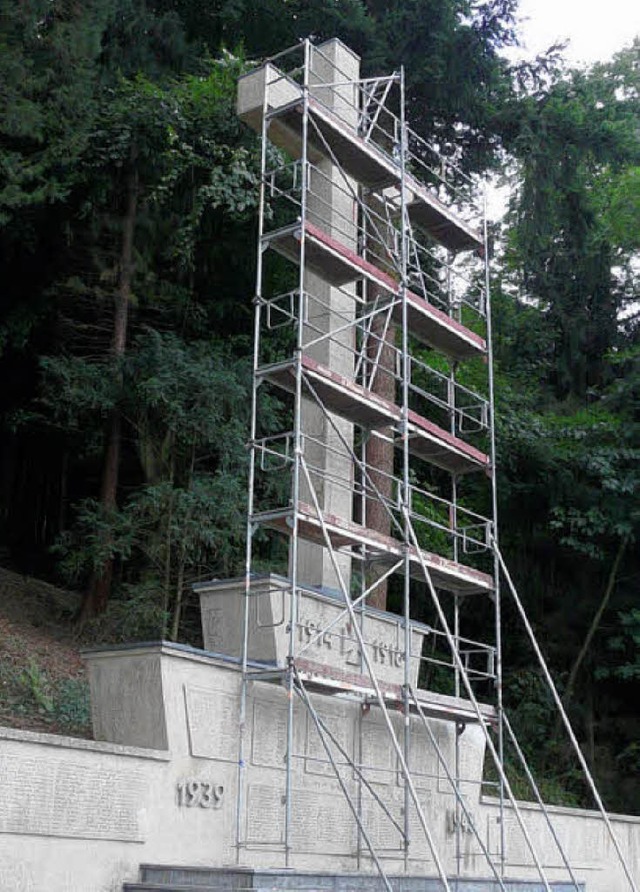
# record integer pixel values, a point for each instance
(222, 604)
(81, 816)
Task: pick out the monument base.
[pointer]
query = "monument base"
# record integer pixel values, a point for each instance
(161, 786)
(177, 879)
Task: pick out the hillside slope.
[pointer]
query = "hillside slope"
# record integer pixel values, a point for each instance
(43, 684)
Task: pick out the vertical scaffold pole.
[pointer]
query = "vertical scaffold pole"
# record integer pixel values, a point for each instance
(298, 451)
(458, 813)
(494, 523)
(453, 522)
(257, 321)
(406, 480)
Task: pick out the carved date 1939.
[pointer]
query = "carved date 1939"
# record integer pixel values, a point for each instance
(199, 794)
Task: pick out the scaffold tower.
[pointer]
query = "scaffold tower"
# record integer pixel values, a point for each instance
(372, 433)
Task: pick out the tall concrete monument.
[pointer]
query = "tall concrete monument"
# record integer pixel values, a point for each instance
(331, 206)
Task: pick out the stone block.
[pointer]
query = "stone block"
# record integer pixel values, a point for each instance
(315, 639)
(280, 91)
(127, 698)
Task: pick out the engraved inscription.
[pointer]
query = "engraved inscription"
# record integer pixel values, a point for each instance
(75, 799)
(342, 641)
(385, 654)
(308, 629)
(269, 738)
(213, 724)
(339, 724)
(265, 814)
(339, 641)
(379, 827)
(423, 758)
(516, 847)
(460, 819)
(320, 820)
(16, 878)
(378, 758)
(419, 846)
(583, 849)
(468, 759)
(339, 645)
(194, 793)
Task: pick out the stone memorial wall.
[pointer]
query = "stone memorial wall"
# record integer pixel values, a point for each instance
(73, 798)
(80, 816)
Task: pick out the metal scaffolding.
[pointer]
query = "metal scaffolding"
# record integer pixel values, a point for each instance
(373, 319)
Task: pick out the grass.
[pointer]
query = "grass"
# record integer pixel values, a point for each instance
(31, 697)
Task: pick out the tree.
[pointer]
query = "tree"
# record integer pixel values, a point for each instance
(155, 155)
(457, 80)
(157, 149)
(576, 145)
(183, 401)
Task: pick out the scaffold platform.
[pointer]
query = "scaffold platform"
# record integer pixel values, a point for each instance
(446, 574)
(354, 402)
(368, 163)
(340, 265)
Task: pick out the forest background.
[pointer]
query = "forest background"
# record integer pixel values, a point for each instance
(127, 224)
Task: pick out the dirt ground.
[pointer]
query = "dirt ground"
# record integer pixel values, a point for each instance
(43, 684)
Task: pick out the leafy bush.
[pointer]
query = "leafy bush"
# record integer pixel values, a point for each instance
(72, 706)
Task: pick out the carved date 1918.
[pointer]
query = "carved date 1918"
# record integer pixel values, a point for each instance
(383, 652)
(200, 794)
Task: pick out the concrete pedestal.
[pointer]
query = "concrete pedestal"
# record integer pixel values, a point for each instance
(81, 816)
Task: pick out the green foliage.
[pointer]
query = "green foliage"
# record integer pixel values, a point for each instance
(626, 646)
(187, 405)
(160, 116)
(532, 714)
(32, 692)
(108, 98)
(457, 79)
(553, 788)
(431, 531)
(134, 613)
(72, 706)
(35, 682)
(48, 70)
(75, 392)
(568, 487)
(622, 215)
(572, 231)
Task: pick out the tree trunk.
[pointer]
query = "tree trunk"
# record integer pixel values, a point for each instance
(590, 728)
(97, 595)
(177, 613)
(593, 628)
(166, 588)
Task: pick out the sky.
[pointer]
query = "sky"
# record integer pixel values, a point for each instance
(596, 29)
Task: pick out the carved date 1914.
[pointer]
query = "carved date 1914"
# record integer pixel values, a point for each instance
(383, 652)
(200, 794)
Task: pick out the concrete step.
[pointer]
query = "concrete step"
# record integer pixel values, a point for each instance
(427, 884)
(156, 878)
(163, 887)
